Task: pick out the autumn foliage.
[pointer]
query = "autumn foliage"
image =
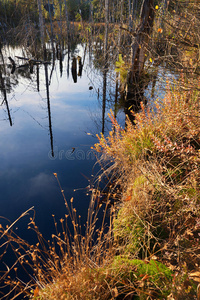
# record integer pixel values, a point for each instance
(156, 161)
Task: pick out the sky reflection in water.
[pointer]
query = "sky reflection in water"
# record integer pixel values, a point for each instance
(27, 166)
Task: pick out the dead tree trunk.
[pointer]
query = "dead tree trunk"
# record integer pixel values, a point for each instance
(105, 70)
(67, 21)
(139, 47)
(41, 24)
(51, 24)
(91, 20)
(130, 15)
(106, 27)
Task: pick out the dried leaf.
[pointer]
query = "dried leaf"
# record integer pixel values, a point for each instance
(36, 291)
(115, 292)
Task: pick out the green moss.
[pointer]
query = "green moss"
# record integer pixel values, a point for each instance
(121, 68)
(129, 232)
(153, 273)
(152, 268)
(189, 191)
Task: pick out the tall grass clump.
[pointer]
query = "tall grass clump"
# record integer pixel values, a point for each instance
(156, 162)
(70, 266)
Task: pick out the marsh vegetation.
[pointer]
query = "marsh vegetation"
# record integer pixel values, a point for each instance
(138, 237)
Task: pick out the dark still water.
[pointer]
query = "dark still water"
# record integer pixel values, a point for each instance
(48, 136)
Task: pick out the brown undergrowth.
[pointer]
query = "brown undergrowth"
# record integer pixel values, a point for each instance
(157, 162)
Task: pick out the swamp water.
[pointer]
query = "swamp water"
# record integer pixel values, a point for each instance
(48, 137)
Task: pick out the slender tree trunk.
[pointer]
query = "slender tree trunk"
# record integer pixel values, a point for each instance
(51, 25)
(67, 20)
(105, 63)
(91, 13)
(41, 24)
(130, 15)
(121, 11)
(50, 17)
(164, 10)
(60, 8)
(106, 28)
(134, 12)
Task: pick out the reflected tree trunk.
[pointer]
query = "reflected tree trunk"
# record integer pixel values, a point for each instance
(74, 69)
(116, 96)
(53, 65)
(38, 78)
(68, 59)
(61, 65)
(49, 108)
(3, 88)
(80, 66)
(2, 56)
(104, 100)
(85, 50)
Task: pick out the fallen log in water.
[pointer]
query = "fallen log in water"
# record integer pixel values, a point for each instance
(13, 64)
(35, 61)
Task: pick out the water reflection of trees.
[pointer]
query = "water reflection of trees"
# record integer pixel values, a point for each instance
(102, 56)
(27, 69)
(5, 100)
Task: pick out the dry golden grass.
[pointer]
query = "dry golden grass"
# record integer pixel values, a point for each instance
(157, 162)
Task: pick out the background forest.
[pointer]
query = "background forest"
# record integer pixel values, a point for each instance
(13, 12)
